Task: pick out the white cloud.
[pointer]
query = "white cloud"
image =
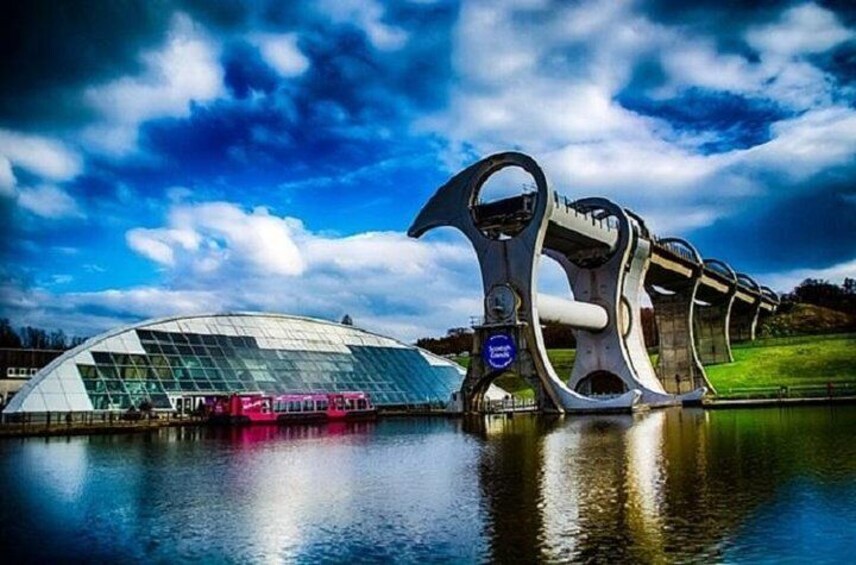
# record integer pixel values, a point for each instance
(390, 253)
(211, 234)
(7, 177)
(782, 74)
(808, 144)
(698, 63)
(186, 69)
(150, 301)
(252, 260)
(784, 281)
(802, 30)
(150, 244)
(368, 15)
(42, 156)
(548, 80)
(541, 82)
(48, 201)
(280, 51)
(616, 167)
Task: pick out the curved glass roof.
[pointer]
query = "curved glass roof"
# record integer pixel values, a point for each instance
(161, 361)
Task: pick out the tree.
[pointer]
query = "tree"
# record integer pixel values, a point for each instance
(34, 338)
(456, 342)
(823, 293)
(75, 341)
(8, 337)
(57, 340)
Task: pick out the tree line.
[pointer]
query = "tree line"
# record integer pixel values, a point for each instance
(818, 292)
(28, 337)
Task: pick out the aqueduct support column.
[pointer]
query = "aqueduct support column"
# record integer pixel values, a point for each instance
(711, 330)
(673, 290)
(678, 365)
(744, 320)
(746, 308)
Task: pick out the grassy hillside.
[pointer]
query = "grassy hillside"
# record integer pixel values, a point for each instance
(791, 362)
(774, 362)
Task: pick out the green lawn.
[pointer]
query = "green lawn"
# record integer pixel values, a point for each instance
(771, 363)
(791, 362)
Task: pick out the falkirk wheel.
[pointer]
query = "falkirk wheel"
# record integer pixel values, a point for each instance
(610, 259)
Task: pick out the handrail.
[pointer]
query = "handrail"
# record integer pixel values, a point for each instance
(771, 294)
(723, 268)
(746, 281)
(682, 245)
(643, 227)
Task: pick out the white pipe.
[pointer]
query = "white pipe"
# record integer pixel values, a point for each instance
(579, 315)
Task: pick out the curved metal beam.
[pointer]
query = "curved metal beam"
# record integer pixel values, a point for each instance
(771, 294)
(726, 268)
(451, 205)
(643, 227)
(751, 284)
(686, 244)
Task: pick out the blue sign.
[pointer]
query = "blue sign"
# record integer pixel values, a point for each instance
(499, 351)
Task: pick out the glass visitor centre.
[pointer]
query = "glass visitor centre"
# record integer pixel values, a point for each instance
(176, 363)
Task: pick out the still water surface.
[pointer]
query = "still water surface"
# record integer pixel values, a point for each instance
(773, 485)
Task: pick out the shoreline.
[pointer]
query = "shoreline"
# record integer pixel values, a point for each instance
(80, 428)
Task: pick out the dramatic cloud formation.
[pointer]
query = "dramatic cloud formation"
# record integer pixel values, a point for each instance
(270, 155)
(216, 255)
(214, 233)
(182, 71)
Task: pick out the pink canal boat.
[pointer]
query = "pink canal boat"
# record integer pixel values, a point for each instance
(257, 408)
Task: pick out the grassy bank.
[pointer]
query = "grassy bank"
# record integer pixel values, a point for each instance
(793, 362)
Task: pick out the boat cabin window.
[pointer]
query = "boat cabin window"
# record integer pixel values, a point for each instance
(308, 406)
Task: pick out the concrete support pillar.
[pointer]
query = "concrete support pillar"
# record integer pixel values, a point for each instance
(763, 314)
(744, 320)
(713, 343)
(678, 365)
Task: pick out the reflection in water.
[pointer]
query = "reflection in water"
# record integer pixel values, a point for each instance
(509, 474)
(603, 476)
(671, 485)
(662, 486)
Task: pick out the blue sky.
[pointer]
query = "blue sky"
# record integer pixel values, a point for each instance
(165, 157)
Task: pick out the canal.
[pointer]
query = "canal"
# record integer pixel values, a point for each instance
(752, 485)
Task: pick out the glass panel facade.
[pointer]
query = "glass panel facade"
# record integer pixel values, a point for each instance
(319, 358)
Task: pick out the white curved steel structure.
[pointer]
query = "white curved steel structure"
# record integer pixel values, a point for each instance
(610, 258)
